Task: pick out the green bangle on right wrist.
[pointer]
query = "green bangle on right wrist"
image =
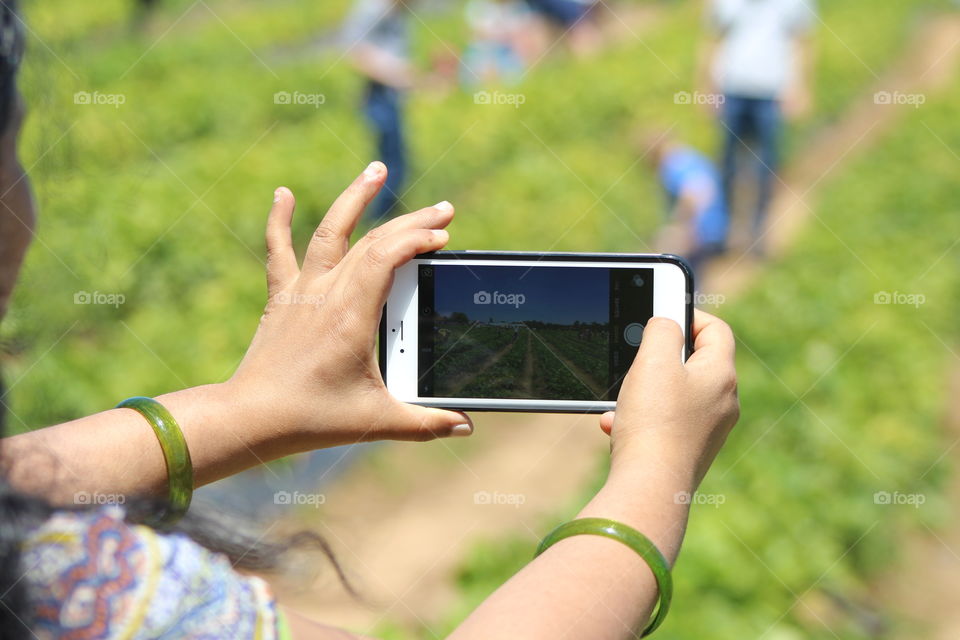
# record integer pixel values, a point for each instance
(633, 539)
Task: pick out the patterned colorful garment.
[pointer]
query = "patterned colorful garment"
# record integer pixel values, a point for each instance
(92, 575)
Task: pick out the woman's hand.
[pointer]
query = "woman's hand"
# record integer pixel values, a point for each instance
(311, 366)
(675, 414)
(671, 420)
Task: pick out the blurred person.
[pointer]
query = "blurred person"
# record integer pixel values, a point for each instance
(499, 44)
(574, 18)
(697, 219)
(310, 380)
(759, 59)
(143, 10)
(377, 34)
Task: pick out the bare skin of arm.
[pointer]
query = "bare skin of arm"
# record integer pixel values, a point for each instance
(798, 100)
(671, 421)
(383, 67)
(679, 236)
(704, 73)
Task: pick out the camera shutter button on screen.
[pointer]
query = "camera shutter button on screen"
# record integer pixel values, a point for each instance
(633, 334)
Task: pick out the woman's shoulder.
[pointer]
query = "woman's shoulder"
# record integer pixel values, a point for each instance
(94, 575)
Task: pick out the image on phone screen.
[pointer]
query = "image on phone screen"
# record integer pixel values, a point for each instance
(529, 332)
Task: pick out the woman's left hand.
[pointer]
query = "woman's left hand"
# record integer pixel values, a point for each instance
(311, 372)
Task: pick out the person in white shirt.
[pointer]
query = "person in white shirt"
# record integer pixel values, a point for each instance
(759, 63)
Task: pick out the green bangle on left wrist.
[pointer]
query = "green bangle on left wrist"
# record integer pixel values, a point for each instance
(175, 454)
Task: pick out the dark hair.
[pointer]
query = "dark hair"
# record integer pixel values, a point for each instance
(21, 513)
(11, 53)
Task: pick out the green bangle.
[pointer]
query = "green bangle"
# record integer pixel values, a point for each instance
(175, 452)
(633, 539)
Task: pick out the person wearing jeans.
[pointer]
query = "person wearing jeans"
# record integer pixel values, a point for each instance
(760, 62)
(377, 37)
(758, 119)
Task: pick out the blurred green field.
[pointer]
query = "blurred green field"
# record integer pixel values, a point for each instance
(163, 200)
(842, 398)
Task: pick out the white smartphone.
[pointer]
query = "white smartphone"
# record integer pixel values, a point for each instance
(513, 331)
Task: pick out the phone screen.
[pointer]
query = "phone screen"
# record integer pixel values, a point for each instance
(529, 332)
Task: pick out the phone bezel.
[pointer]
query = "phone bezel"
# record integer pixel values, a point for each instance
(520, 405)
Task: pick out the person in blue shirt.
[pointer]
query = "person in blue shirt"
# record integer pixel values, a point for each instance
(697, 220)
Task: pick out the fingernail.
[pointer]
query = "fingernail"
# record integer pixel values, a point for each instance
(441, 235)
(443, 206)
(461, 430)
(372, 170)
(277, 194)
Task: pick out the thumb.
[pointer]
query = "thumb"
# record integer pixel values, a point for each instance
(426, 423)
(662, 342)
(660, 354)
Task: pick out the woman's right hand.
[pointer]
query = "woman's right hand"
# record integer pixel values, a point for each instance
(673, 413)
(672, 418)
(311, 371)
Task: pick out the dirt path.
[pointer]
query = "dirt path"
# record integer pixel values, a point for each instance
(525, 384)
(403, 520)
(489, 362)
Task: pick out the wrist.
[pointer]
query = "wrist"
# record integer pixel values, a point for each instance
(655, 505)
(654, 464)
(271, 427)
(227, 429)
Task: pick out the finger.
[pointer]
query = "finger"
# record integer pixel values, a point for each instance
(281, 258)
(712, 337)
(424, 423)
(662, 342)
(373, 269)
(436, 217)
(606, 422)
(332, 237)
